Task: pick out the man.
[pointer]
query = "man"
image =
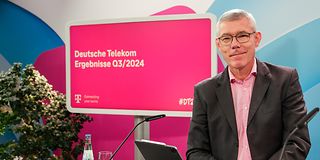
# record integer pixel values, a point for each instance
(248, 110)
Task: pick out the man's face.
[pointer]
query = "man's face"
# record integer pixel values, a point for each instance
(238, 55)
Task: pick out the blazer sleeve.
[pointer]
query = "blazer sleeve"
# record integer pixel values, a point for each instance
(293, 109)
(198, 138)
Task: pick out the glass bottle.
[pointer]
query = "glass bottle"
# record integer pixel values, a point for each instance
(88, 152)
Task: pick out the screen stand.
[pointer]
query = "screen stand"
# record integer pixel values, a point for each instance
(141, 132)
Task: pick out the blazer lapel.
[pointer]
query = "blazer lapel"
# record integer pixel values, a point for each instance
(225, 98)
(261, 86)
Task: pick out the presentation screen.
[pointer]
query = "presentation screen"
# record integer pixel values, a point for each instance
(139, 66)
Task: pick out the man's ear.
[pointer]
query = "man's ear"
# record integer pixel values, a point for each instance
(258, 37)
(217, 43)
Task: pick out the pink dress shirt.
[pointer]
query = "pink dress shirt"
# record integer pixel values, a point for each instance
(241, 94)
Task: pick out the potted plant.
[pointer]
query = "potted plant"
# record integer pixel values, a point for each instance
(37, 114)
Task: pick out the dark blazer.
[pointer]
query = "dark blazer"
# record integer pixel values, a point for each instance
(276, 105)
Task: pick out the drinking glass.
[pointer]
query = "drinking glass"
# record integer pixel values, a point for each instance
(104, 155)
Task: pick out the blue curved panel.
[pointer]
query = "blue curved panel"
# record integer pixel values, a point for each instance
(299, 49)
(23, 35)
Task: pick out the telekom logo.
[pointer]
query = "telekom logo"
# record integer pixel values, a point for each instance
(77, 98)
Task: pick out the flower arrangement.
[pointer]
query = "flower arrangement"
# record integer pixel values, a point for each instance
(37, 114)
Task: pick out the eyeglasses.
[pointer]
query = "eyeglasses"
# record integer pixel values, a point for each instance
(241, 37)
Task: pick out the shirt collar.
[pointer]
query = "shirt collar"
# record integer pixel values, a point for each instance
(253, 72)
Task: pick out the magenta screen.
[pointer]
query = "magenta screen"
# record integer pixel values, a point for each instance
(138, 67)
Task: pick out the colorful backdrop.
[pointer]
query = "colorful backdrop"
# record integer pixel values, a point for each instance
(34, 32)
